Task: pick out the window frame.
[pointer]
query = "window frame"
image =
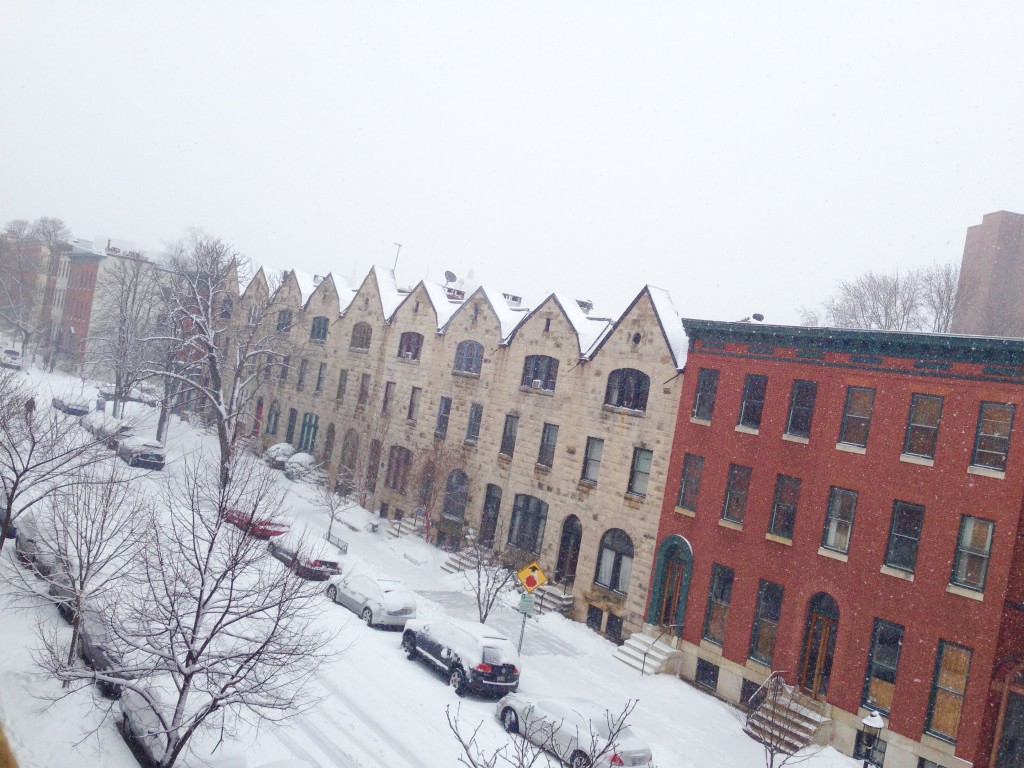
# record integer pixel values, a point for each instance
(627, 388)
(413, 412)
(361, 332)
(342, 385)
(303, 371)
(321, 374)
(733, 491)
(524, 512)
(963, 551)
(592, 464)
(469, 357)
(689, 481)
(705, 394)
(548, 444)
(308, 432)
(873, 663)
(929, 726)
(365, 382)
(390, 387)
(284, 321)
(620, 566)
(761, 619)
(318, 328)
(396, 476)
(796, 407)
(509, 433)
(473, 423)
(444, 414)
(979, 436)
(851, 421)
(896, 537)
(410, 345)
(752, 402)
(929, 432)
(779, 505)
(636, 473)
(835, 492)
(719, 594)
(542, 368)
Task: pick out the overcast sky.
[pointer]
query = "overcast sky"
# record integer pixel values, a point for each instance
(743, 155)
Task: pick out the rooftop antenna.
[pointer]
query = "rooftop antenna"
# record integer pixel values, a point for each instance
(449, 276)
(396, 256)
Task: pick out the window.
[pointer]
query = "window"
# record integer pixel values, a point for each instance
(364, 389)
(904, 536)
(766, 622)
(303, 369)
(456, 494)
(707, 388)
(318, 329)
(857, 416)
(286, 363)
(973, 547)
(284, 321)
(389, 395)
(293, 417)
(689, 486)
(444, 411)
(839, 519)
(992, 441)
(592, 459)
(801, 408)
(321, 374)
(736, 489)
(526, 530)
(361, 335)
(476, 415)
(226, 308)
(640, 472)
(254, 315)
(273, 416)
(719, 596)
(880, 678)
(373, 465)
(753, 401)
(787, 496)
(627, 388)
(614, 561)
(410, 345)
(706, 675)
(540, 372)
(399, 461)
(877, 756)
(307, 435)
(948, 688)
(548, 438)
(342, 384)
(508, 435)
(469, 357)
(414, 404)
(923, 425)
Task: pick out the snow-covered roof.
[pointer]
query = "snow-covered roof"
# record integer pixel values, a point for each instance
(589, 329)
(671, 323)
(387, 287)
(508, 317)
(307, 284)
(443, 306)
(346, 293)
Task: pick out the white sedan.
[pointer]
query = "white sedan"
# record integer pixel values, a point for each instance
(578, 732)
(383, 602)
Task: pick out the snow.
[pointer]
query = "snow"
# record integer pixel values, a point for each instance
(307, 284)
(390, 296)
(671, 323)
(377, 708)
(443, 306)
(508, 317)
(589, 329)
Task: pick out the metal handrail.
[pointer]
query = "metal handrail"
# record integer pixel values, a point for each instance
(643, 664)
(776, 675)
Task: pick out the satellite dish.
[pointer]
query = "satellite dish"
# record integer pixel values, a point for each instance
(449, 276)
(758, 317)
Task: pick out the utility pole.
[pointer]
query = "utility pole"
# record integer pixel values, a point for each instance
(396, 256)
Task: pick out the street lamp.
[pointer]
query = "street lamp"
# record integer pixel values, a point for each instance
(873, 725)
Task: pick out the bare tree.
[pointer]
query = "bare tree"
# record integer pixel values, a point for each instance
(362, 454)
(577, 742)
(213, 620)
(42, 450)
(491, 572)
(436, 463)
(22, 280)
(774, 709)
(917, 300)
(333, 503)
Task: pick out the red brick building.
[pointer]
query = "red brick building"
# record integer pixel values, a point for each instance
(845, 506)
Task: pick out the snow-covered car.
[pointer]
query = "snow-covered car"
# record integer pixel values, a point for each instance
(473, 657)
(106, 428)
(580, 733)
(11, 358)
(146, 393)
(71, 407)
(30, 549)
(137, 452)
(63, 596)
(306, 564)
(144, 725)
(96, 651)
(277, 454)
(260, 528)
(303, 466)
(381, 602)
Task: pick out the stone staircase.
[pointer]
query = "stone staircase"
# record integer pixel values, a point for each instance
(462, 560)
(783, 718)
(405, 526)
(646, 654)
(551, 599)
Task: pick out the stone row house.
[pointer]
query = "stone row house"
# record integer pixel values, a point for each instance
(545, 432)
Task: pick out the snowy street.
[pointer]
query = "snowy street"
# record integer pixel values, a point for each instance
(378, 708)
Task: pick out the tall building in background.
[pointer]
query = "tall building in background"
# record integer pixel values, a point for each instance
(989, 299)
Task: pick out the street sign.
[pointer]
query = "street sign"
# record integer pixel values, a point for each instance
(526, 604)
(532, 577)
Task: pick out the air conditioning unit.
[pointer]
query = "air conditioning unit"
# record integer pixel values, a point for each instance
(407, 355)
(537, 384)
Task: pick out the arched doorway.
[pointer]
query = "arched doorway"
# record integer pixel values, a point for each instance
(568, 550)
(671, 587)
(819, 645)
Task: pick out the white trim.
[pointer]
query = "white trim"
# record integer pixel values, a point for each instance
(890, 571)
(851, 448)
(986, 472)
(923, 461)
(747, 430)
(795, 438)
(953, 589)
(833, 554)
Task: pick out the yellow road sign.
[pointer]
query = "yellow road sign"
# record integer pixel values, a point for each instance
(532, 577)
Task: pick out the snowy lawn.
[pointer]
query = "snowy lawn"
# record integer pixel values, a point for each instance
(378, 708)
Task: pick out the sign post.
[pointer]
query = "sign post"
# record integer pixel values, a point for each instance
(530, 577)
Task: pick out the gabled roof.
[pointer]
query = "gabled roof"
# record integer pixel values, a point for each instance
(668, 319)
(590, 330)
(307, 284)
(387, 289)
(508, 317)
(346, 293)
(443, 306)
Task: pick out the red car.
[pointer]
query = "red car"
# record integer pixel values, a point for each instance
(261, 529)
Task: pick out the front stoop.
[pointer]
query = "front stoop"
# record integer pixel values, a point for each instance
(405, 526)
(788, 720)
(645, 654)
(549, 599)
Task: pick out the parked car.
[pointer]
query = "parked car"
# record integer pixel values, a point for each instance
(146, 393)
(106, 428)
(304, 466)
(306, 564)
(30, 549)
(71, 407)
(384, 602)
(64, 596)
(260, 528)
(95, 650)
(578, 732)
(474, 657)
(277, 454)
(11, 358)
(141, 453)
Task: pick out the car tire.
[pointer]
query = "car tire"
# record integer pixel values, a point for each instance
(579, 759)
(509, 720)
(332, 593)
(457, 680)
(367, 616)
(409, 644)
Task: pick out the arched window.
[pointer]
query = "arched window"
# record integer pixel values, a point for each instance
(329, 443)
(273, 416)
(614, 561)
(627, 388)
(540, 372)
(318, 329)
(410, 345)
(526, 530)
(456, 494)
(361, 335)
(469, 357)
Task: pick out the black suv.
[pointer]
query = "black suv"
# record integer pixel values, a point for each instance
(304, 564)
(94, 649)
(472, 656)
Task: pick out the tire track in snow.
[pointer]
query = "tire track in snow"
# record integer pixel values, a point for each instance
(296, 749)
(340, 758)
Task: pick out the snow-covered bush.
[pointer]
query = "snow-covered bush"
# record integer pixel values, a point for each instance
(277, 454)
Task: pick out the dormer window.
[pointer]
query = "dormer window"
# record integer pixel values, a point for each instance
(318, 330)
(284, 321)
(627, 388)
(410, 345)
(469, 357)
(540, 372)
(361, 335)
